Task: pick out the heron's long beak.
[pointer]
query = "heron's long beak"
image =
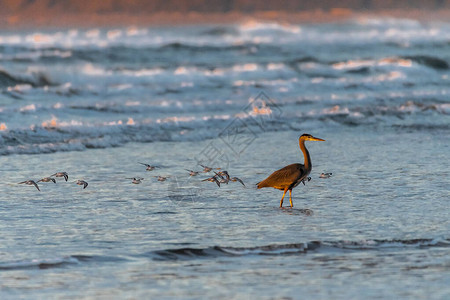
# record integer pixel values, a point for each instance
(317, 139)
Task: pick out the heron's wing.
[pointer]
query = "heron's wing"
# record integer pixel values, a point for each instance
(285, 177)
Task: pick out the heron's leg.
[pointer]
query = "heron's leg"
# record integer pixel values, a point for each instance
(281, 202)
(290, 198)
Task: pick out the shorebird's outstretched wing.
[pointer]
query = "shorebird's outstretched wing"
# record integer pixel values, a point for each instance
(35, 184)
(238, 180)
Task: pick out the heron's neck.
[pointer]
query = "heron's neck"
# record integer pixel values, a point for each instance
(306, 156)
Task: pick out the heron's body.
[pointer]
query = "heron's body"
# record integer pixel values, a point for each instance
(289, 177)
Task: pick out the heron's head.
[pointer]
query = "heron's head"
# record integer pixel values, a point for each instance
(308, 137)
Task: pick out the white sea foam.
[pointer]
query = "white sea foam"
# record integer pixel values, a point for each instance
(354, 64)
(253, 25)
(29, 107)
(107, 87)
(249, 67)
(20, 88)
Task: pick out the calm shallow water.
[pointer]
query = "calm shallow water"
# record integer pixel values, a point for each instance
(175, 97)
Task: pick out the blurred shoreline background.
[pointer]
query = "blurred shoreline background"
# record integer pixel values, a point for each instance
(113, 13)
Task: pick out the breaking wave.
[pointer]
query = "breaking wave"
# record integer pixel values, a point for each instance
(34, 80)
(296, 249)
(59, 262)
(56, 135)
(222, 251)
(96, 88)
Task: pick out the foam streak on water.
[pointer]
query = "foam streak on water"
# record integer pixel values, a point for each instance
(96, 102)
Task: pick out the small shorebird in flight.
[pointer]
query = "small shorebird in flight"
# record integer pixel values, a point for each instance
(136, 180)
(148, 167)
(222, 177)
(213, 179)
(228, 178)
(47, 179)
(83, 183)
(325, 175)
(192, 173)
(306, 179)
(162, 178)
(207, 169)
(30, 182)
(235, 179)
(61, 174)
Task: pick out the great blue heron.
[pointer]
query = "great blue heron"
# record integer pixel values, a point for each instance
(289, 177)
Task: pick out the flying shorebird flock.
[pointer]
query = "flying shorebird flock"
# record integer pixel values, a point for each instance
(51, 179)
(221, 177)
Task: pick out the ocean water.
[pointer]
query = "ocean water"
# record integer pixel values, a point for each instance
(96, 103)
